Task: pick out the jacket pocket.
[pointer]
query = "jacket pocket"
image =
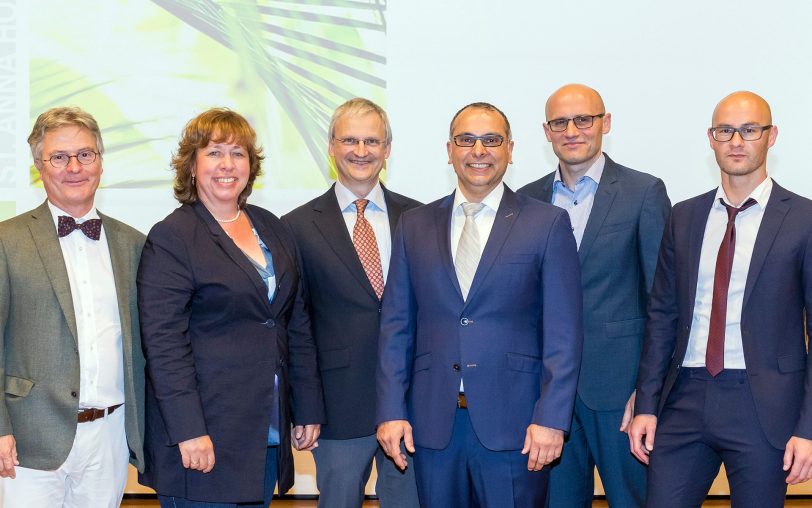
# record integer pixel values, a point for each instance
(791, 363)
(335, 359)
(18, 386)
(517, 258)
(524, 363)
(422, 362)
(626, 327)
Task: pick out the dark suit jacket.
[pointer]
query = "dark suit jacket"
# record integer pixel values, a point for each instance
(344, 311)
(516, 341)
(618, 254)
(777, 295)
(39, 355)
(213, 343)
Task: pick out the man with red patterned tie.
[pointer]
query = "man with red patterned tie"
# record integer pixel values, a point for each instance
(70, 350)
(345, 240)
(724, 376)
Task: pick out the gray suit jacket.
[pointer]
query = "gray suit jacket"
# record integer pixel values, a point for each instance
(618, 254)
(39, 353)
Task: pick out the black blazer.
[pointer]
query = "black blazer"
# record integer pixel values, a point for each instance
(774, 321)
(213, 343)
(344, 311)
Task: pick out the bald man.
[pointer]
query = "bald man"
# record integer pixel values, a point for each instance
(724, 375)
(618, 215)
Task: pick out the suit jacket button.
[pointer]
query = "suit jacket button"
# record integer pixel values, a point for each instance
(270, 323)
(456, 367)
(464, 321)
(74, 394)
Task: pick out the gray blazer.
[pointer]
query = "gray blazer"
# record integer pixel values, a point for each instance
(39, 353)
(618, 254)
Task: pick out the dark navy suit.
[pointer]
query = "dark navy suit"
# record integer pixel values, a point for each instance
(516, 340)
(618, 253)
(777, 295)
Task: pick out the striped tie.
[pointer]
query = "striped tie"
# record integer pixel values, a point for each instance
(468, 250)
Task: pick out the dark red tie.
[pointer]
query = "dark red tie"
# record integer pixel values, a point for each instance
(715, 353)
(67, 225)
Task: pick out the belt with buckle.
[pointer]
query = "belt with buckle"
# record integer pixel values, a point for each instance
(92, 414)
(462, 402)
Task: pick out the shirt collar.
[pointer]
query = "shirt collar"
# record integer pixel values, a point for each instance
(594, 172)
(346, 197)
(56, 212)
(761, 194)
(491, 201)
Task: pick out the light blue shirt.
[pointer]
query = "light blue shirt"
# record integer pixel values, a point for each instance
(578, 201)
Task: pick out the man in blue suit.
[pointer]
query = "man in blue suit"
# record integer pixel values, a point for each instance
(724, 376)
(480, 331)
(618, 215)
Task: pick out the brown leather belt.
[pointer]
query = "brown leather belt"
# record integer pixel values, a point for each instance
(462, 402)
(91, 414)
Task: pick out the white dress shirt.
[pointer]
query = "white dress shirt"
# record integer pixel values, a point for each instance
(747, 224)
(578, 201)
(95, 305)
(483, 220)
(376, 215)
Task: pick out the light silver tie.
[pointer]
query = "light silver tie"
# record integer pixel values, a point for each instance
(468, 250)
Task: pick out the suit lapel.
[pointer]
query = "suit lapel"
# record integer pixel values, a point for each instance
(393, 209)
(503, 222)
(777, 208)
(230, 248)
(547, 188)
(283, 262)
(329, 220)
(442, 220)
(699, 220)
(45, 238)
(604, 197)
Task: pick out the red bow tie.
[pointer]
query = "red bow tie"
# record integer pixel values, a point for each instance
(91, 228)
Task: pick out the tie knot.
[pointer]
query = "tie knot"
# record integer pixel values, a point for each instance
(471, 209)
(732, 211)
(91, 228)
(361, 205)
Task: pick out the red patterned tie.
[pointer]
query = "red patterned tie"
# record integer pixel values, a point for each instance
(715, 353)
(363, 238)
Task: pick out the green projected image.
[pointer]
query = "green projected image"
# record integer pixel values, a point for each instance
(145, 68)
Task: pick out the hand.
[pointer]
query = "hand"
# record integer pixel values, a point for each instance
(628, 413)
(197, 453)
(306, 437)
(798, 455)
(642, 425)
(8, 456)
(542, 445)
(389, 436)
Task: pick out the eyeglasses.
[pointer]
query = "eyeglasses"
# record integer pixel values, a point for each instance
(747, 133)
(490, 141)
(368, 142)
(580, 121)
(61, 160)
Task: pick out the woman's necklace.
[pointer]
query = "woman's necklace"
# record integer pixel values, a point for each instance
(234, 219)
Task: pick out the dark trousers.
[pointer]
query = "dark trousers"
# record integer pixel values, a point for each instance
(706, 422)
(270, 484)
(466, 474)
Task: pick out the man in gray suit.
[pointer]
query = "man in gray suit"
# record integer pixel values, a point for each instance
(72, 368)
(618, 216)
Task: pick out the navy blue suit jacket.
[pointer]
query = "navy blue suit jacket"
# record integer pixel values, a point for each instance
(777, 295)
(516, 341)
(344, 311)
(213, 343)
(618, 254)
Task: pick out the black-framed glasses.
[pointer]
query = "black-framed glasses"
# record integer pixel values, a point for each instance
(747, 132)
(580, 121)
(369, 142)
(61, 160)
(488, 140)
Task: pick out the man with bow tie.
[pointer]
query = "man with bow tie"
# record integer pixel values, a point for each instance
(72, 368)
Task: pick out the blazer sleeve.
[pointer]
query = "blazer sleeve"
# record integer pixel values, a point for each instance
(397, 335)
(661, 330)
(562, 327)
(804, 426)
(5, 303)
(653, 215)
(165, 290)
